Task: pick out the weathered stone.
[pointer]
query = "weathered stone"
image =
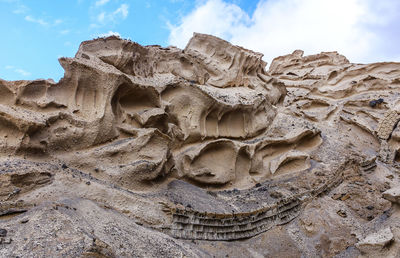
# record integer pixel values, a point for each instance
(138, 145)
(387, 124)
(376, 241)
(392, 195)
(3, 232)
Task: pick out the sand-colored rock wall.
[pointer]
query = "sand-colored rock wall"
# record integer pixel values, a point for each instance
(201, 144)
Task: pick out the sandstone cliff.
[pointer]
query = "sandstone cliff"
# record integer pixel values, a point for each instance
(152, 151)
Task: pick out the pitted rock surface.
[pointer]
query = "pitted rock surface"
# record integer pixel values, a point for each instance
(159, 152)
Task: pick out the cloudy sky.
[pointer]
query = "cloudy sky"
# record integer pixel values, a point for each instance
(35, 33)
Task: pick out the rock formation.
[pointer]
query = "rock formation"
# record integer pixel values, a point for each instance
(152, 151)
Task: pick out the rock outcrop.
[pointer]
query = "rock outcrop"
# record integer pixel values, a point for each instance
(392, 195)
(376, 241)
(145, 147)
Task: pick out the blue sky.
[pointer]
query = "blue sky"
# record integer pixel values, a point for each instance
(35, 33)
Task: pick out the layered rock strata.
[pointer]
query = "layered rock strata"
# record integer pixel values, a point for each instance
(206, 225)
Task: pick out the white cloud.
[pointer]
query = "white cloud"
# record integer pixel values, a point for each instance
(22, 72)
(21, 9)
(104, 17)
(362, 30)
(34, 20)
(101, 17)
(101, 2)
(17, 70)
(109, 33)
(214, 17)
(43, 22)
(65, 32)
(58, 21)
(122, 10)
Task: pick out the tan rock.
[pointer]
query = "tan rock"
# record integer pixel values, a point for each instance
(200, 144)
(290, 156)
(376, 241)
(392, 195)
(387, 124)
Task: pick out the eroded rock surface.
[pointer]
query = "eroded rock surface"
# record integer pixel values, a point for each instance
(376, 241)
(168, 150)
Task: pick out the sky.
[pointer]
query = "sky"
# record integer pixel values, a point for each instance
(35, 33)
